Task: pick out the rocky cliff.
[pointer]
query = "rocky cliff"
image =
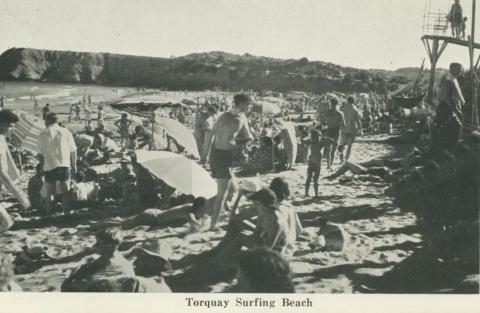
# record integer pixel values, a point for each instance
(193, 71)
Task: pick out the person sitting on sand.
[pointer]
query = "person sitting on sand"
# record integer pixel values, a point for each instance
(263, 271)
(111, 263)
(330, 237)
(123, 125)
(316, 143)
(189, 212)
(83, 142)
(141, 137)
(281, 189)
(270, 231)
(7, 276)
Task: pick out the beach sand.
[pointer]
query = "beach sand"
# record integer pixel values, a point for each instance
(380, 234)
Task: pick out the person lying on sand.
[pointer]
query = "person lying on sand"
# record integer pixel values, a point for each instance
(193, 213)
(7, 276)
(377, 171)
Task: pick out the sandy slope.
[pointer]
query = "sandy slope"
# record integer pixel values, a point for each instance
(381, 235)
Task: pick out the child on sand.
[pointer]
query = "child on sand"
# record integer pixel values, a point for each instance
(315, 144)
(330, 237)
(124, 128)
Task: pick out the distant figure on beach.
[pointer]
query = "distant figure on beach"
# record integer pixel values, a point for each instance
(89, 99)
(123, 125)
(9, 174)
(353, 127)
(100, 117)
(456, 18)
(45, 110)
(335, 123)
(77, 111)
(58, 155)
(88, 114)
(35, 106)
(224, 140)
(2, 102)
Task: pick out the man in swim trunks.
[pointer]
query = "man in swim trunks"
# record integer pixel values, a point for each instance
(353, 127)
(221, 145)
(335, 122)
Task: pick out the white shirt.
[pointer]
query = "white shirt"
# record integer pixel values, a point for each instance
(56, 144)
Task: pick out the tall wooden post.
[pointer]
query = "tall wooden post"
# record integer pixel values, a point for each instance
(472, 70)
(433, 68)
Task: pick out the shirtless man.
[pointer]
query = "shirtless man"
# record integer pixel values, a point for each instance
(221, 145)
(335, 122)
(353, 127)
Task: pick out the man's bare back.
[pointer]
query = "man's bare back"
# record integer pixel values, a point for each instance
(227, 128)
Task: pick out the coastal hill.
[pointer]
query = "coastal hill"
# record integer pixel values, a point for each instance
(196, 71)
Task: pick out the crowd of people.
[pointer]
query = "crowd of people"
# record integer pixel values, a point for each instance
(261, 235)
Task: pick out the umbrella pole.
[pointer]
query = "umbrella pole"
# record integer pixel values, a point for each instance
(153, 132)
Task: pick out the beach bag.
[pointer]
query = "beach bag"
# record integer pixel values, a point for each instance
(85, 191)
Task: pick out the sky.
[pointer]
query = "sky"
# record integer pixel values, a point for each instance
(358, 33)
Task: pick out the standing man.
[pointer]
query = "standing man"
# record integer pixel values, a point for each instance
(2, 103)
(335, 122)
(353, 126)
(35, 105)
(58, 155)
(8, 171)
(45, 110)
(100, 117)
(221, 145)
(447, 125)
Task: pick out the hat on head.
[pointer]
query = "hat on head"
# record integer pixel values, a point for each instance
(265, 196)
(126, 159)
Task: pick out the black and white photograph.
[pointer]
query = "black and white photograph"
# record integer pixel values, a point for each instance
(239, 147)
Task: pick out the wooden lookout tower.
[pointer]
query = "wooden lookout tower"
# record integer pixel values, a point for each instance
(436, 38)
